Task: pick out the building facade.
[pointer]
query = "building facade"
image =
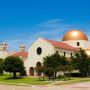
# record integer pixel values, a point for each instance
(4, 50)
(70, 44)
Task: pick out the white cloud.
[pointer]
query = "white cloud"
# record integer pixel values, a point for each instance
(28, 40)
(54, 23)
(52, 29)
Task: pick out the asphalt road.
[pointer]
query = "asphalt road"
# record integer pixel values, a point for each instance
(78, 86)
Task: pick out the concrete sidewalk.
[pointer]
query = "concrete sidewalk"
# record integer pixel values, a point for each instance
(78, 86)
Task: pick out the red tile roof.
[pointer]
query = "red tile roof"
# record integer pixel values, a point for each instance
(22, 54)
(62, 45)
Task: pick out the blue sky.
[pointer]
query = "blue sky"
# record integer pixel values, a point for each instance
(23, 21)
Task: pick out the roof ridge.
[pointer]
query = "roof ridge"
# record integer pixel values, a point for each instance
(61, 45)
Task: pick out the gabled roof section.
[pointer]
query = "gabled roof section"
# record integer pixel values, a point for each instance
(62, 45)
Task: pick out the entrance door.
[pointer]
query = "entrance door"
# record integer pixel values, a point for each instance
(31, 71)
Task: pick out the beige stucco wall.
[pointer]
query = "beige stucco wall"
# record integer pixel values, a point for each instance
(47, 49)
(83, 44)
(61, 52)
(88, 52)
(33, 57)
(4, 54)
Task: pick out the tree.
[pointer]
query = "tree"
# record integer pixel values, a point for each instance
(23, 72)
(13, 65)
(66, 67)
(69, 69)
(38, 69)
(1, 66)
(41, 71)
(53, 63)
(81, 62)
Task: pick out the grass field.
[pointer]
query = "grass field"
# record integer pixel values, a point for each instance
(5, 79)
(74, 80)
(25, 80)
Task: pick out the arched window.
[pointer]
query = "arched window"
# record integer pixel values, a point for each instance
(38, 64)
(31, 70)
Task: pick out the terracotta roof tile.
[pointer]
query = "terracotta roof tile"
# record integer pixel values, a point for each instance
(23, 54)
(62, 45)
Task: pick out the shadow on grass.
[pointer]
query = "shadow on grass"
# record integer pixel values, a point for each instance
(12, 78)
(1, 74)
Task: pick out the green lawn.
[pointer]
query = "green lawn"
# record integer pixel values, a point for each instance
(25, 80)
(5, 79)
(75, 80)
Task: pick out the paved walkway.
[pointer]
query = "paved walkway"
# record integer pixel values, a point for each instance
(78, 86)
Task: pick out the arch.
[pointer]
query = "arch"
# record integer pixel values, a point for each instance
(38, 64)
(31, 71)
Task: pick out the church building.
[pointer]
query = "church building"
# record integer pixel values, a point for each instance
(71, 43)
(4, 52)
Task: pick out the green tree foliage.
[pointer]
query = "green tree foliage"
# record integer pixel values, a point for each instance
(40, 71)
(23, 72)
(13, 65)
(81, 62)
(1, 66)
(66, 67)
(53, 63)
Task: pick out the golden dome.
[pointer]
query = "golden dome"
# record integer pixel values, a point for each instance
(75, 35)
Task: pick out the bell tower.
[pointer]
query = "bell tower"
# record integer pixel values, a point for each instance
(22, 48)
(4, 47)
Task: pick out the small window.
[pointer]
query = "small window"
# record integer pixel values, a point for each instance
(78, 44)
(64, 54)
(71, 54)
(57, 52)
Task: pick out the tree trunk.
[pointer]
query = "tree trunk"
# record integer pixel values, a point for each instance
(14, 75)
(70, 76)
(55, 74)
